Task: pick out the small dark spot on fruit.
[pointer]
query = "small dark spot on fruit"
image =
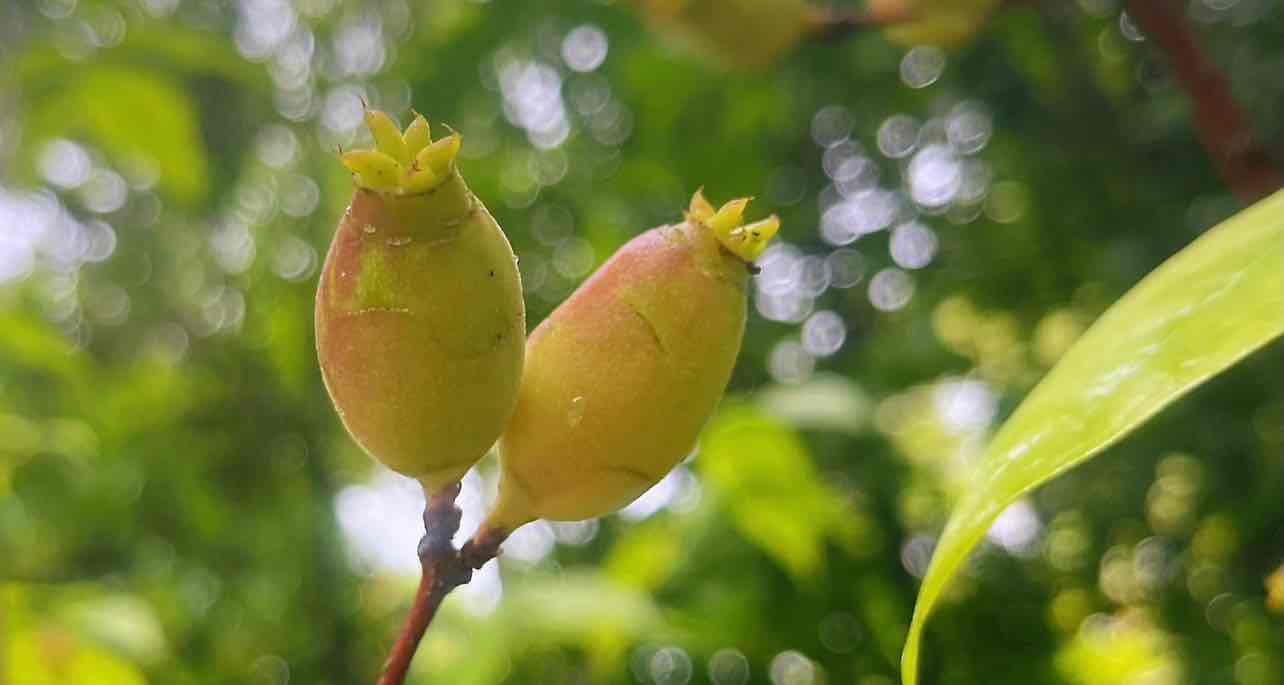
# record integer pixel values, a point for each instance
(492, 273)
(753, 268)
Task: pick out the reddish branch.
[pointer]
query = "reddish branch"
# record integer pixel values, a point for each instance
(827, 24)
(427, 599)
(444, 569)
(1239, 156)
(1224, 129)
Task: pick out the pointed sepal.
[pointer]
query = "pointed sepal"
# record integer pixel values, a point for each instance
(387, 136)
(700, 208)
(408, 162)
(746, 241)
(417, 135)
(373, 169)
(440, 155)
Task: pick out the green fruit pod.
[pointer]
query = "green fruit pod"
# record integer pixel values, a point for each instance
(420, 325)
(621, 377)
(949, 24)
(743, 33)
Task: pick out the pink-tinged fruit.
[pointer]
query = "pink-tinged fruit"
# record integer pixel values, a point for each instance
(620, 379)
(420, 323)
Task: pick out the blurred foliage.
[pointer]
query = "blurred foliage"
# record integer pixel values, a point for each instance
(179, 505)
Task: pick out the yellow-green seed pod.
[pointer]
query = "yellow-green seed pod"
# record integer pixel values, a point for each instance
(622, 376)
(947, 24)
(420, 324)
(743, 33)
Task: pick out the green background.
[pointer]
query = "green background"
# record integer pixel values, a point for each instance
(178, 503)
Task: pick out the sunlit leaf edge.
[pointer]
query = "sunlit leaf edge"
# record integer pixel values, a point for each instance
(1252, 240)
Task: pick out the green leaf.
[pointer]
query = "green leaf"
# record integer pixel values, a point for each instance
(590, 614)
(774, 494)
(52, 655)
(127, 624)
(1216, 301)
(132, 114)
(1122, 649)
(828, 402)
(29, 343)
(186, 52)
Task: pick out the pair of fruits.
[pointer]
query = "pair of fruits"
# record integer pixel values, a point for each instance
(421, 338)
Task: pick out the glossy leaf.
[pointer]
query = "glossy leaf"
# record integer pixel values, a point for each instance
(1213, 303)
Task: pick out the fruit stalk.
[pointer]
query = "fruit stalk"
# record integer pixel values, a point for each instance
(444, 569)
(441, 519)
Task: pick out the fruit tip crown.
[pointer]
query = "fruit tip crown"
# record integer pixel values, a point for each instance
(403, 163)
(746, 241)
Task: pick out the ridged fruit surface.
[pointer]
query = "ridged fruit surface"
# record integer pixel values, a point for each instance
(622, 376)
(420, 324)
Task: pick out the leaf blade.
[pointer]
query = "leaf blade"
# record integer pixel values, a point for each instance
(133, 112)
(1218, 300)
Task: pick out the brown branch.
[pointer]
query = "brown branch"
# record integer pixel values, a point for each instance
(427, 599)
(1241, 160)
(833, 25)
(444, 569)
(830, 25)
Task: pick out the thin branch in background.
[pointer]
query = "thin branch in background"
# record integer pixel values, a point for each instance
(831, 25)
(1241, 159)
(444, 569)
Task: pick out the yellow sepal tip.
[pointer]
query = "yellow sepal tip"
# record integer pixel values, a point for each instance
(746, 241)
(755, 237)
(419, 181)
(387, 136)
(729, 216)
(440, 155)
(700, 208)
(373, 169)
(417, 136)
(403, 163)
